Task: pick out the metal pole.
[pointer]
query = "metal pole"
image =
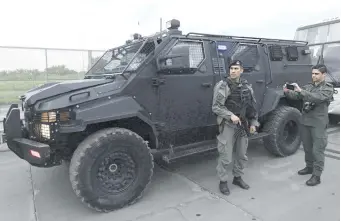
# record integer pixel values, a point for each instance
(89, 61)
(46, 65)
(160, 24)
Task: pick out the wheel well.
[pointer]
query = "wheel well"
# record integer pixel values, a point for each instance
(134, 124)
(283, 101)
(291, 103)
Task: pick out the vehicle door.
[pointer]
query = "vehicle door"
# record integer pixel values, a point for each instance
(255, 66)
(185, 95)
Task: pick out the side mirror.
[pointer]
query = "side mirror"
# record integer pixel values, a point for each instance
(178, 60)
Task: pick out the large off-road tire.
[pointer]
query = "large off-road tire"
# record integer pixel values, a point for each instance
(283, 125)
(111, 169)
(334, 119)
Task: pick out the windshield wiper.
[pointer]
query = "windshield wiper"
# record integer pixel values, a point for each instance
(109, 74)
(98, 75)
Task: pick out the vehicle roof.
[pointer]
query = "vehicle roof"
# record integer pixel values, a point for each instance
(254, 40)
(318, 24)
(215, 37)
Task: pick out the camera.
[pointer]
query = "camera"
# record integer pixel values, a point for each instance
(308, 106)
(289, 86)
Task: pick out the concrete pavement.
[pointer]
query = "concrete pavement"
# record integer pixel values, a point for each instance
(185, 191)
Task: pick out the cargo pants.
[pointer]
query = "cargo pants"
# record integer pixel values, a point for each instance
(230, 148)
(315, 140)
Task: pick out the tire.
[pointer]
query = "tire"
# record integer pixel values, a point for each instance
(334, 119)
(111, 169)
(283, 125)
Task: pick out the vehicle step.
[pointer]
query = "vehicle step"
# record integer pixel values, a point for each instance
(172, 156)
(258, 135)
(168, 158)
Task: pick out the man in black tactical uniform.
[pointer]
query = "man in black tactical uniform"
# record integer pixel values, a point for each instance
(316, 98)
(235, 107)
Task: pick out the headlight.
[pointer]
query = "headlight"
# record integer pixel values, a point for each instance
(64, 116)
(48, 117)
(45, 131)
(51, 117)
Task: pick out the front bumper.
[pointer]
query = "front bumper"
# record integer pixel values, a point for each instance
(36, 153)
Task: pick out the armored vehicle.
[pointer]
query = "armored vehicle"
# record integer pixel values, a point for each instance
(151, 98)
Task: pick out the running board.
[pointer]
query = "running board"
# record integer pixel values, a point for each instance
(172, 156)
(197, 148)
(258, 136)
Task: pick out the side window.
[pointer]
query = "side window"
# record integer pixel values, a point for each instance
(248, 54)
(195, 51)
(140, 57)
(331, 58)
(316, 52)
(334, 32)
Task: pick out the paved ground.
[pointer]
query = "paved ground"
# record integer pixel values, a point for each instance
(186, 191)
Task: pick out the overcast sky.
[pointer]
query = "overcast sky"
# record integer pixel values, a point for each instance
(99, 24)
(102, 24)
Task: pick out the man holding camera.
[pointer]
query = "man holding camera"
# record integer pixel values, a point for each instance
(237, 117)
(316, 98)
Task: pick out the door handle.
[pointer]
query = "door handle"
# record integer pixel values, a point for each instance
(206, 84)
(260, 81)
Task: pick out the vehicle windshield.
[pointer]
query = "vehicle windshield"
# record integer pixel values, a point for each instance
(127, 58)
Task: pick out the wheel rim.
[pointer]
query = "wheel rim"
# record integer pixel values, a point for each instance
(116, 172)
(290, 132)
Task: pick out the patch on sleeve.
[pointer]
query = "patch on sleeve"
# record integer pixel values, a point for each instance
(220, 97)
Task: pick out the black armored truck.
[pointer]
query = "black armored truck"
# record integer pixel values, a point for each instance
(152, 98)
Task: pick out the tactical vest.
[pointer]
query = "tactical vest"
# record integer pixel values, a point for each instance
(240, 97)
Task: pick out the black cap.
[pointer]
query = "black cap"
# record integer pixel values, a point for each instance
(236, 62)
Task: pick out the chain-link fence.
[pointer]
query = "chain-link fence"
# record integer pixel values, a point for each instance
(22, 68)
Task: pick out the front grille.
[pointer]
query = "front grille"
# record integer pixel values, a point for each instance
(36, 129)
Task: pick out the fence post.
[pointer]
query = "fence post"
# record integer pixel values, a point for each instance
(89, 60)
(46, 65)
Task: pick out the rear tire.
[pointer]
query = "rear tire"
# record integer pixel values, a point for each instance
(334, 119)
(283, 125)
(111, 169)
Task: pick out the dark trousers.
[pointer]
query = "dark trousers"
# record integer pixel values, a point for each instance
(314, 140)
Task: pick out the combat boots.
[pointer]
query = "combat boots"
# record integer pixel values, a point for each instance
(239, 182)
(313, 181)
(305, 171)
(224, 189)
